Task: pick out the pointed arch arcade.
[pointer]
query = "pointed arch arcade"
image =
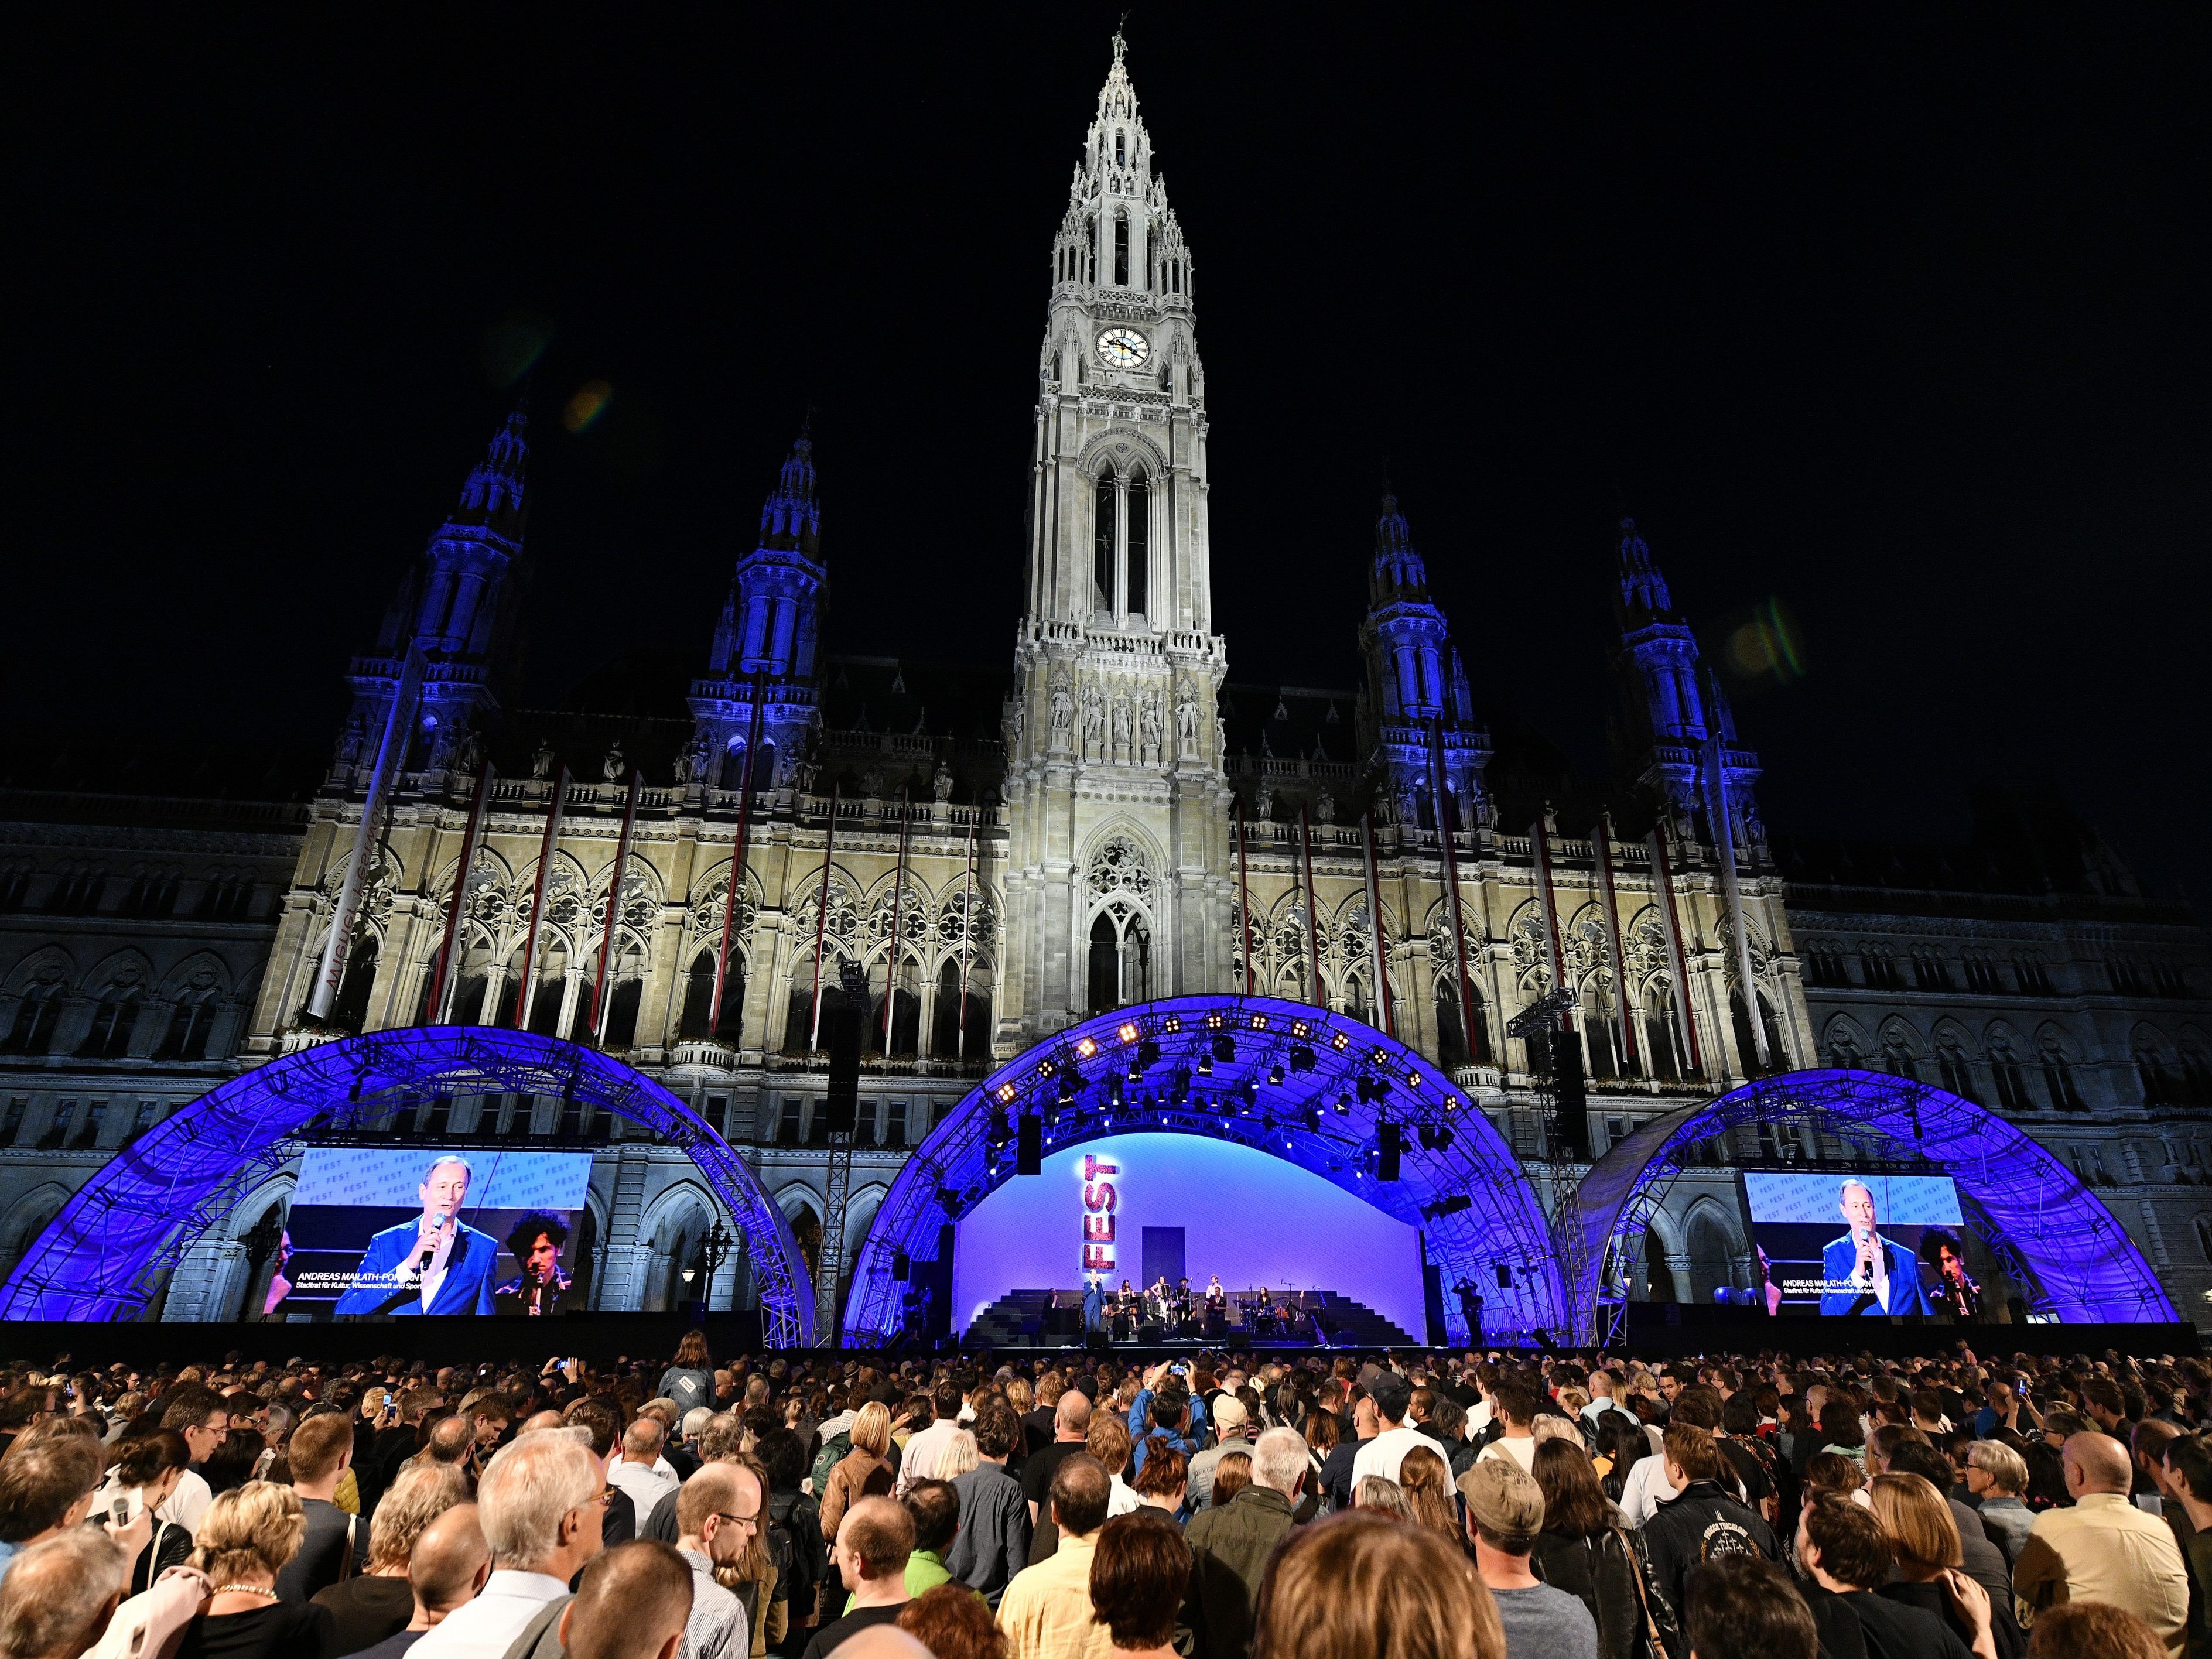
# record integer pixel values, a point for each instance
(1310, 1087)
(2079, 1262)
(103, 1256)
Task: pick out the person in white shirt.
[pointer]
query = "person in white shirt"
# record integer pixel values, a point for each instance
(717, 1513)
(924, 1450)
(639, 1468)
(1393, 1398)
(542, 1502)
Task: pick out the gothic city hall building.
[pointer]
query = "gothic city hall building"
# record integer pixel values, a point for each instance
(997, 848)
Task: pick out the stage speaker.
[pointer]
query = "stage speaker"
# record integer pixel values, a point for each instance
(901, 1265)
(1096, 1342)
(1029, 1157)
(1386, 1167)
(1574, 1099)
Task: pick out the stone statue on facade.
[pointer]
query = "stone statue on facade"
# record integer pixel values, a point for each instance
(541, 763)
(1149, 719)
(1120, 720)
(1094, 715)
(1324, 808)
(941, 785)
(1263, 799)
(612, 768)
(472, 753)
(1063, 710)
(1187, 719)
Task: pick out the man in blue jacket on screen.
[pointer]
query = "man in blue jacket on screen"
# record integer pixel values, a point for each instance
(1863, 1273)
(433, 1264)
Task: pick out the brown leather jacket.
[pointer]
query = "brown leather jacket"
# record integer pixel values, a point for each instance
(858, 1474)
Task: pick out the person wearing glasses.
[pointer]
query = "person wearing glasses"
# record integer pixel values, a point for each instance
(203, 1417)
(717, 1515)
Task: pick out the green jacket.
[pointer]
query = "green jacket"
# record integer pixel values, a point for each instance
(925, 1571)
(1229, 1546)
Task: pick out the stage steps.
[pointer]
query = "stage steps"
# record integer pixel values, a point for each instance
(1018, 1320)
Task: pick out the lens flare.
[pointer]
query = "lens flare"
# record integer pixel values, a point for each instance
(1767, 648)
(511, 347)
(589, 401)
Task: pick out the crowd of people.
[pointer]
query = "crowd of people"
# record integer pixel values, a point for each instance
(1079, 1507)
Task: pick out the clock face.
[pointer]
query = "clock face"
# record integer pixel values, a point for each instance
(1123, 348)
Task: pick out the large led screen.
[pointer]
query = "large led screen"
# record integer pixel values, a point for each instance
(409, 1231)
(1853, 1245)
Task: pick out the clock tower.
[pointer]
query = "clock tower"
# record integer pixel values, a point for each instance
(1117, 887)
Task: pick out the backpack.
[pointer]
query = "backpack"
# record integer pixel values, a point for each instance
(833, 1452)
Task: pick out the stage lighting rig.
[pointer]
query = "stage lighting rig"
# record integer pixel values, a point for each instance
(1148, 1053)
(1344, 1105)
(1302, 1057)
(1205, 1064)
(1248, 1093)
(1275, 1075)
(1312, 1118)
(1224, 1046)
(1443, 1206)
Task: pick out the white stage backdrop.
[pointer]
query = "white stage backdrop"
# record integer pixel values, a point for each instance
(1250, 1217)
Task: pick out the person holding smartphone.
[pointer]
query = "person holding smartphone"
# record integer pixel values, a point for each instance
(146, 1470)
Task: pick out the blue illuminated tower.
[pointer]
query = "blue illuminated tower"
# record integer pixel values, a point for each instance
(767, 639)
(456, 604)
(1415, 710)
(1673, 705)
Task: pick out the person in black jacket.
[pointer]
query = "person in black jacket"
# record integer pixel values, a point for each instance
(1844, 1549)
(1703, 1523)
(793, 1534)
(1587, 1549)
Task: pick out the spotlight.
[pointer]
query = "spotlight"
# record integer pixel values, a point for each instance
(1086, 1048)
(1148, 1053)
(1068, 1080)
(1214, 1021)
(1444, 1207)
(1427, 1136)
(1171, 1023)
(1249, 1093)
(1344, 1105)
(1275, 1076)
(1136, 1071)
(1443, 1138)
(1224, 1046)
(1258, 1021)
(1127, 1033)
(1005, 1093)
(1341, 1041)
(1205, 1064)
(1312, 1118)
(1301, 1027)
(1301, 1058)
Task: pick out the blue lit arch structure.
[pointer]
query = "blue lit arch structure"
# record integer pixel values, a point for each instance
(104, 1255)
(1298, 1081)
(2057, 1241)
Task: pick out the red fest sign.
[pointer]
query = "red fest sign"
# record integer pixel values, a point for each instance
(1099, 1199)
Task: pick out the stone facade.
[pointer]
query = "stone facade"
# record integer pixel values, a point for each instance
(1003, 849)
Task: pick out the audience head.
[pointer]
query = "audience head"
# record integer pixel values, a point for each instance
(47, 1482)
(248, 1534)
(934, 1506)
(1504, 1505)
(1362, 1586)
(998, 1433)
(2005, 1474)
(1574, 1503)
(1922, 1534)
(2095, 1462)
(642, 1440)
(1081, 1490)
(1375, 1492)
(632, 1603)
(1392, 1394)
(2091, 1630)
(1843, 1541)
(1742, 1606)
(450, 1560)
(1071, 1418)
(541, 1502)
(58, 1595)
(872, 1429)
(1138, 1576)
(419, 1495)
(1232, 1472)
(875, 1539)
(1107, 1439)
(721, 1507)
(321, 1447)
(1691, 1455)
(952, 1622)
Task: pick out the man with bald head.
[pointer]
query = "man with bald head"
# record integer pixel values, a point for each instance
(1071, 1429)
(2104, 1549)
(633, 1603)
(448, 1566)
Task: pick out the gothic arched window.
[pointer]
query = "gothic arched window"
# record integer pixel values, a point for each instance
(1121, 149)
(1121, 250)
(1140, 544)
(1101, 543)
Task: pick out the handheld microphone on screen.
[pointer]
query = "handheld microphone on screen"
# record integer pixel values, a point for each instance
(430, 1248)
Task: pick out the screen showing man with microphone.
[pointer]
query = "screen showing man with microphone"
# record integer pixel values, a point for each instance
(1873, 1268)
(405, 1232)
(435, 1263)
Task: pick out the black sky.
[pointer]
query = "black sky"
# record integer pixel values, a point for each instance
(1900, 322)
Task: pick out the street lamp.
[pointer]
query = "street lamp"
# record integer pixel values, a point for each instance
(714, 1249)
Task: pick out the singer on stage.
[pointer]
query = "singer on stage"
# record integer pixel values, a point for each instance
(1957, 1293)
(435, 1264)
(1863, 1273)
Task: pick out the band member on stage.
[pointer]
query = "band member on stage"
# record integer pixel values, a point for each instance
(1094, 1303)
(1863, 1273)
(542, 1286)
(1217, 1299)
(1956, 1292)
(1160, 1304)
(435, 1264)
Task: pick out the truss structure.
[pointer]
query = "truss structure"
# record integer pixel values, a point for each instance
(1311, 1087)
(109, 1251)
(2053, 1236)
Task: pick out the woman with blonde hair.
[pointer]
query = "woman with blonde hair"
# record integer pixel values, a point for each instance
(959, 1456)
(1430, 1498)
(1924, 1540)
(241, 1544)
(1378, 1492)
(863, 1471)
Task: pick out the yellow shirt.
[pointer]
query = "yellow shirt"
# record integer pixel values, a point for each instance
(1046, 1611)
(2105, 1549)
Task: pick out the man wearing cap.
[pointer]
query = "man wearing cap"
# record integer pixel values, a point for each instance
(1393, 1396)
(1504, 1513)
(1229, 1417)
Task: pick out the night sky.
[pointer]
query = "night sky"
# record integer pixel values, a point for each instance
(1896, 332)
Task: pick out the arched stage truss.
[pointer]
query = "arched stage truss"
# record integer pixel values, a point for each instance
(2054, 1236)
(1313, 1088)
(104, 1255)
